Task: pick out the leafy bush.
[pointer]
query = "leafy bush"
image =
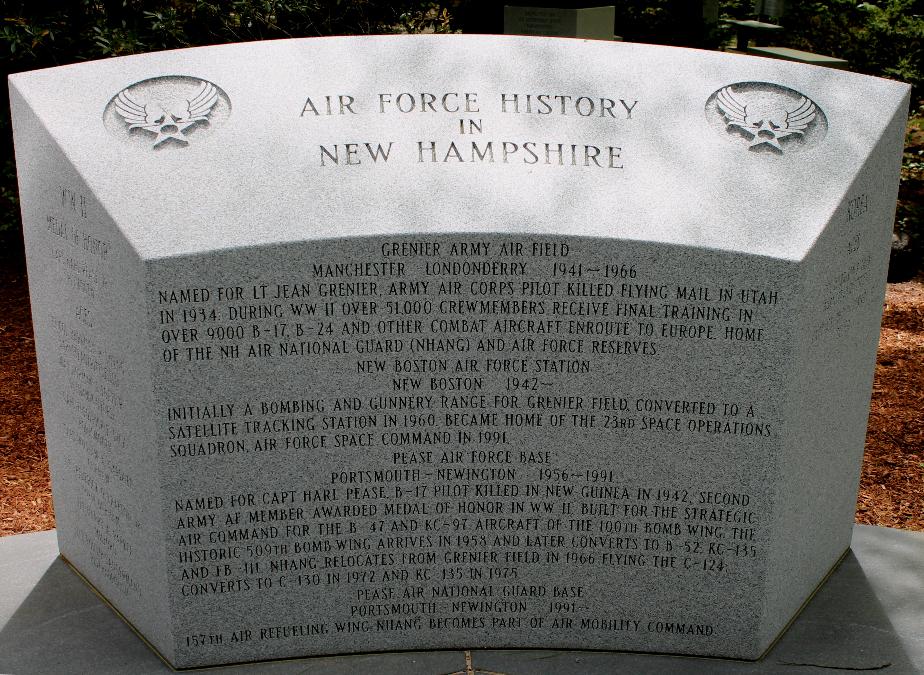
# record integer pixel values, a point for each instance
(909, 215)
(884, 39)
(667, 22)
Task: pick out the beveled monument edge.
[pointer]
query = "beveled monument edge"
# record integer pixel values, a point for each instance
(872, 582)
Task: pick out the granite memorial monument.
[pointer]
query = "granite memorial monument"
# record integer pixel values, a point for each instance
(388, 343)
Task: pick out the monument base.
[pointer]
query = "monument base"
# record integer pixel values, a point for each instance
(866, 617)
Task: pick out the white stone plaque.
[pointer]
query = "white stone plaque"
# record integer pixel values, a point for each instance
(358, 344)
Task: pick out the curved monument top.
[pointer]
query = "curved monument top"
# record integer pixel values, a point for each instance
(258, 143)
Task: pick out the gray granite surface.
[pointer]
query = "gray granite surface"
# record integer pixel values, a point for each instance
(258, 160)
(869, 616)
(356, 344)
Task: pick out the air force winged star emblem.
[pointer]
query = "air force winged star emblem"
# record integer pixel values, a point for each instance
(763, 122)
(170, 120)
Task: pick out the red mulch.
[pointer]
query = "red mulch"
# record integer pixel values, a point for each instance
(891, 488)
(892, 484)
(25, 489)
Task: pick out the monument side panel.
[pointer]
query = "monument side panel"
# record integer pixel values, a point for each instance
(88, 307)
(843, 281)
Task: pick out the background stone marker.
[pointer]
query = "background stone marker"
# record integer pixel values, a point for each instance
(355, 344)
(595, 23)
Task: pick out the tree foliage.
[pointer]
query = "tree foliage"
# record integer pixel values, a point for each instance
(884, 39)
(667, 22)
(41, 33)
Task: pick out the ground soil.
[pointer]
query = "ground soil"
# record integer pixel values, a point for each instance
(891, 486)
(892, 483)
(25, 490)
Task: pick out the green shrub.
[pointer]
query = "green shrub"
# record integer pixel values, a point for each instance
(884, 39)
(667, 22)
